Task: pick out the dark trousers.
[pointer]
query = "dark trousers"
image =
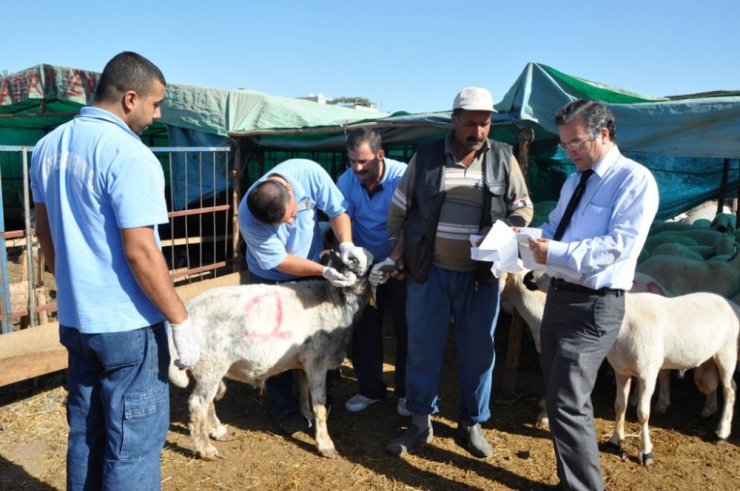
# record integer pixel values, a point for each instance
(280, 386)
(367, 341)
(578, 329)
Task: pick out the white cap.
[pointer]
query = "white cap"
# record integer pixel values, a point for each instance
(474, 99)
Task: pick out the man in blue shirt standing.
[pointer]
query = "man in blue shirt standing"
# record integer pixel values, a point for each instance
(99, 195)
(278, 219)
(368, 187)
(590, 245)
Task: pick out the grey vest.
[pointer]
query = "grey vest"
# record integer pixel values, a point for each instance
(420, 226)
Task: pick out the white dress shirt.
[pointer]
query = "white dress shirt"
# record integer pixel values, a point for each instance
(608, 228)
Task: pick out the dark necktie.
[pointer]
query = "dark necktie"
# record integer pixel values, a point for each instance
(572, 204)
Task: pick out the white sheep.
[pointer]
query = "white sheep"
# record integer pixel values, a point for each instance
(672, 333)
(657, 333)
(252, 332)
(681, 275)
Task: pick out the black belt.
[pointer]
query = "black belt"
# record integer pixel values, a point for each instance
(560, 284)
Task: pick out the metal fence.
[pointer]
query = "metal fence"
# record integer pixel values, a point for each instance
(197, 242)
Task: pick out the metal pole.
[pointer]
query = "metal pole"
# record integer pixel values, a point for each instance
(29, 242)
(6, 306)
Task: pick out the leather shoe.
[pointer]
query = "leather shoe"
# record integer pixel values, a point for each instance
(293, 423)
(474, 439)
(410, 441)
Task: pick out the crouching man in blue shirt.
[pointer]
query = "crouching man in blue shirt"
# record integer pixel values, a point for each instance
(278, 219)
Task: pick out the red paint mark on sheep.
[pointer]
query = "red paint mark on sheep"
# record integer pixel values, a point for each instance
(276, 331)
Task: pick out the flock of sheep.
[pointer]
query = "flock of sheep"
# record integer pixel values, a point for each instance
(681, 314)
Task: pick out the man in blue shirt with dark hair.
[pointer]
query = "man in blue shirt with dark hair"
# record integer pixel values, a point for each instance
(368, 187)
(99, 196)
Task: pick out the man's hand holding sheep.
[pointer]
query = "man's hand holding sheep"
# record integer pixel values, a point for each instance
(339, 279)
(349, 252)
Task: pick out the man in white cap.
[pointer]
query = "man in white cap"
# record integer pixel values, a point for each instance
(453, 187)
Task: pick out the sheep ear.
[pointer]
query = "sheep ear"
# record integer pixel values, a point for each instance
(530, 282)
(335, 260)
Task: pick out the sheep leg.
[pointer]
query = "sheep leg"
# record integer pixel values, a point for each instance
(623, 383)
(706, 378)
(543, 421)
(726, 362)
(216, 429)
(664, 392)
(317, 382)
(200, 404)
(647, 387)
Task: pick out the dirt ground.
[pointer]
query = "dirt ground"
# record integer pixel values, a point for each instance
(33, 442)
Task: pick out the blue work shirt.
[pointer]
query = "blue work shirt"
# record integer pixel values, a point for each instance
(269, 244)
(95, 177)
(369, 213)
(609, 226)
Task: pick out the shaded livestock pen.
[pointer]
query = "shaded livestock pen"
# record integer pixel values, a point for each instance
(196, 243)
(190, 142)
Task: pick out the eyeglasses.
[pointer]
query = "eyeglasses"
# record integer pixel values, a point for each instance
(574, 145)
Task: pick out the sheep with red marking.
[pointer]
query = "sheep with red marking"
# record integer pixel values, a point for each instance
(252, 332)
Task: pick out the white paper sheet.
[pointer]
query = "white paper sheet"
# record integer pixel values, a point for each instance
(522, 238)
(499, 246)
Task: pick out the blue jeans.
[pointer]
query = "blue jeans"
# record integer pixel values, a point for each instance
(118, 408)
(367, 341)
(429, 308)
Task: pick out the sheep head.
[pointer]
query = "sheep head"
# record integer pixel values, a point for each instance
(331, 258)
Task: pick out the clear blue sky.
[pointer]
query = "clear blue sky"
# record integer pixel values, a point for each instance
(403, 55)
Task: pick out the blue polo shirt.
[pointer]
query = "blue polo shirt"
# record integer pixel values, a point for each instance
(268, 245)
(369, 213)
(95, 177)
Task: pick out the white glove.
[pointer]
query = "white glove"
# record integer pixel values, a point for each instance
(379, 273)
(348, 251)
(187, 344)
(338, 279)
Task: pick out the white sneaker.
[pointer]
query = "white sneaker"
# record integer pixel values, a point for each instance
(401, 407)
(358, 402)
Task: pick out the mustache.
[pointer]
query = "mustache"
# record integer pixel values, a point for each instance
(472, 139)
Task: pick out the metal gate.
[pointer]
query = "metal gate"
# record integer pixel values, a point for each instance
(197, 242)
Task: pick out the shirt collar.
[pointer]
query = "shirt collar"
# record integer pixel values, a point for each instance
(602, 166)
(102, 114)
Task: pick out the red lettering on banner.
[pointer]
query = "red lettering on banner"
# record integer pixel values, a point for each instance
(73, 86)
(17, 88)
(5, 92)
(92, 83)
(33, 82)
(274, 331)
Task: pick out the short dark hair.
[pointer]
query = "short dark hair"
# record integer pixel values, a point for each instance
(127, 71)
(358, 136)
(268, 200)
(593, 114)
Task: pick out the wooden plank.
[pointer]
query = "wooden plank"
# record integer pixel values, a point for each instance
(30, 353)
(36, 351)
